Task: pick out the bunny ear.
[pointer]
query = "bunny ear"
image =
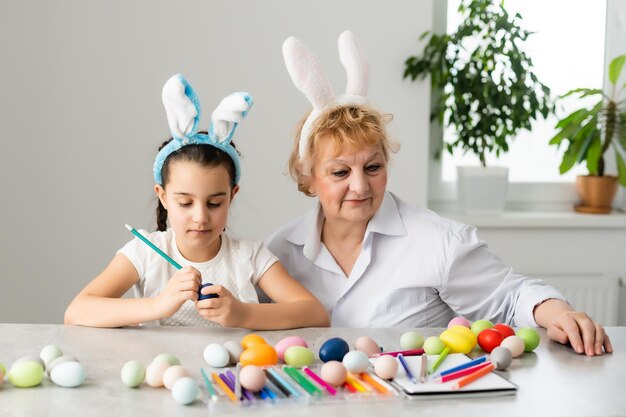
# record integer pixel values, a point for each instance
(354, 61)
(230, 112)
(182, 107)
(307, 73)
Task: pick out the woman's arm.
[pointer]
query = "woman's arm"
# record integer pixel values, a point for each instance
(99, 303)
(294, 306)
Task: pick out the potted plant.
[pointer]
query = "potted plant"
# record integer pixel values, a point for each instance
(589, 133)
(484, 88)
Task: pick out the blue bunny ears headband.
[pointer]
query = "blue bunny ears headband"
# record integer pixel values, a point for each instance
(183, 113)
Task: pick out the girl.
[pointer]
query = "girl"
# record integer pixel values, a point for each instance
(196, 177)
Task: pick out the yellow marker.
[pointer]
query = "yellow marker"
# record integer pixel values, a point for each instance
(356, 384)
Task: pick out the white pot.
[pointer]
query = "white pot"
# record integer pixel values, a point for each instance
(482, 190)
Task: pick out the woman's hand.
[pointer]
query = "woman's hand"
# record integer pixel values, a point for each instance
(182, 286)
(225, 310)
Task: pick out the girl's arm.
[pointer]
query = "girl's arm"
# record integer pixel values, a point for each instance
(99, 303)
(294, 306)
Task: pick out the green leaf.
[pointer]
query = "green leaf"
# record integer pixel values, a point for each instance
(593, 155)
(621, 169)
(615, 68)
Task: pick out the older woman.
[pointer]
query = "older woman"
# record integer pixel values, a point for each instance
(374, 260)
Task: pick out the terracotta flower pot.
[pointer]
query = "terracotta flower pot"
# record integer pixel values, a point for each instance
(596, 193)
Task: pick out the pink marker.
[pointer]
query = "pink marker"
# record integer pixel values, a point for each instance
(319, 380)
(412, 352)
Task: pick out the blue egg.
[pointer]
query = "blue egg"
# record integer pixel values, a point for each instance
(334, 349)
(205, 296)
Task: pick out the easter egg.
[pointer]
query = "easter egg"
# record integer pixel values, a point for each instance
(459, 321)
(530, 337)
(26, 374)
(133, 373)
(216, 355)
(501, 358)
(68, 374)
(459, 339)
(489, 339)
(252, 378)
(333, 349)
(50, 353)
(3, 371)
(480, 325)
(185, 391)
(234, 351)
(386, 367)
(260, 355)
(61, 359)
(288, 342)
(411, 340)
(367, 344)
(154, 373)
(355, 361)
(252, 339)
(433, 346)
(334, 373)
(504, 330)
(299, 356)
(206, 296)
(29, 359)
(166, 357)
(515, 344)
(173, 374)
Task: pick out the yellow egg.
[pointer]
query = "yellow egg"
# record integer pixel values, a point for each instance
(457, 342)
(260, 355)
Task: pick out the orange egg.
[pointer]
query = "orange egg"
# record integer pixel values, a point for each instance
(260, 355)
(252, 339)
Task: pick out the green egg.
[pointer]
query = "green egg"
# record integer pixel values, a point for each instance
(433, 346)
(171, 359)
(3, 369)
(26, 374)
(133, 373)
(530, 338)
(411, 340)
(480, 325)
(298, 356)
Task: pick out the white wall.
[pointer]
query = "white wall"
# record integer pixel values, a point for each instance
(81, 119)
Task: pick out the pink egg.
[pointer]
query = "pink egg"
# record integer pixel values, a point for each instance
(386, 367)
(173, 374)
(460, 321)
(252, 378)
(334, 373)
(154, 373)
(284, 344)
(367, 344)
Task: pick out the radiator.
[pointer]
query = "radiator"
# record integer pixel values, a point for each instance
(597, 295)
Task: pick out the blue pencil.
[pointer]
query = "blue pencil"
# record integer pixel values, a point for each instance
(406, 368)
(463, 366)
(157, 250)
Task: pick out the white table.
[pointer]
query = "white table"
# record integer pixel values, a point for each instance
(552, 381)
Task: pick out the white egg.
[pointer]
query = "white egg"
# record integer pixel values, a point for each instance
(355, 361)
(154, 373)
(61, 359)
(185, 391)
(216, 355)
(68, 374)
(173, 374)
(515, 344)
(386, 367)
(234, 351)
(50, 353)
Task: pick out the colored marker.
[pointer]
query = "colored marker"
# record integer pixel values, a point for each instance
(319, 380)
(375, 384)
(275, 388)
(461, 373)
(156, 249)
(224, 387)
(208, 385)
(423, 367)
(352, 380)
(410, 352)
(405, 365)
(473, 377)
(286, 385)
(463, 366)
(440, 359)
(302, 381)
(236, 386)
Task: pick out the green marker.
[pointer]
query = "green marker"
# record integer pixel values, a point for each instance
(440, 359)
(302, 381)
(157, 250)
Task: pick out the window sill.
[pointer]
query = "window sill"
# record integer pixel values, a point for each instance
(536, 219)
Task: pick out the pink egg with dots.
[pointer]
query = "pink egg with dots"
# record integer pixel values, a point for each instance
(284, 344)
(459, 321)
(334, 373)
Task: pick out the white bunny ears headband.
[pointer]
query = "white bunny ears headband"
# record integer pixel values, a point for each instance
(308, 75)
(183, 112)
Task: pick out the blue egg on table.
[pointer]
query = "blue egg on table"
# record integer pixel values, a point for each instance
(334, 349)
(205, 296)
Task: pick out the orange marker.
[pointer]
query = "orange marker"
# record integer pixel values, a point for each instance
(224, 387)
(473, 377)
(378, 387)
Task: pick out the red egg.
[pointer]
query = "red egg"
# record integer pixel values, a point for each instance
(505, 330)
(489, 339)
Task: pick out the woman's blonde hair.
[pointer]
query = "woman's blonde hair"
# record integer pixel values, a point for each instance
(344, 126)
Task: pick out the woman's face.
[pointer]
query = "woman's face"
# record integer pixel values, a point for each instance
(350, 183)
(197, 199)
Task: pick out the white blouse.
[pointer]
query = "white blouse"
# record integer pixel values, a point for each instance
(415, 269)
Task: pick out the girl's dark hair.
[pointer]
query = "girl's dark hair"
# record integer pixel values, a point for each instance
(205, 155)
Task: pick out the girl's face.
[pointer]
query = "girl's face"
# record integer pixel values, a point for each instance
(350, 183)
(197, 199)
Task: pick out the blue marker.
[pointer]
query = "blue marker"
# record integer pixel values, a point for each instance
(464, 366)
(409, 374)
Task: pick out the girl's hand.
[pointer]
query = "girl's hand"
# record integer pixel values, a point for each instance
(226, 310)
(182, 286)
(581, 331)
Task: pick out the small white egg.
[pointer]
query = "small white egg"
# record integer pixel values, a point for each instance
(173, 374)
(68, 374)
(154, 373)
(216, 355)
(61, 359)
(133, 373)
(234, 351)
(50, 353)
(355, 361)
(185, 391)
